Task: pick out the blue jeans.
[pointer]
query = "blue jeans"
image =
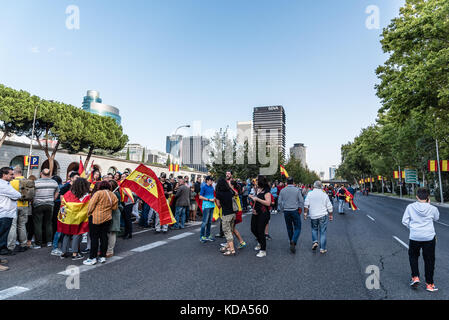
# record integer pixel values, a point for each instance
(207, 220)
(341, 206)
(293, 223)
(143, 221)
(180, 216)
(5, 226)
(322, 224)
(56, 240)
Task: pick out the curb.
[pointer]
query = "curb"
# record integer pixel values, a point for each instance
(410, 200)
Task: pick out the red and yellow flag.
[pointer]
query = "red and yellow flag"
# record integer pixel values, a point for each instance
(284, 172)
(72, 216)
(379, 178)
(81, 170)
(350, 199)
(433, 167)
(444, 165)
(396, 174)
(403, 174)
(145, 184)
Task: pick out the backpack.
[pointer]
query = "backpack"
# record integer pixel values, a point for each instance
(27, 189)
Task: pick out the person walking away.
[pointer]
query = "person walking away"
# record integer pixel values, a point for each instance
(291, 203)
(207, 195)
(72, 219)
(30, 222)
(115, 224)
(128, 205)
(100, 209)
(341, 200)
(224, 198)
(261, 214)
(319, 207)
(8, 210)
(182, 199)
(238, 218)
(418, 218)
(43, 203)
(18, 228)
(274, 192)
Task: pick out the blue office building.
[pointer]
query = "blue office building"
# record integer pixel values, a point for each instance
(93, 104)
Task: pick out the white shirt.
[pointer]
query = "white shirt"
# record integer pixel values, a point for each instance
(318, 203)
(8, 200)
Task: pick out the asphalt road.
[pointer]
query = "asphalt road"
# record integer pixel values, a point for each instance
(178, 266)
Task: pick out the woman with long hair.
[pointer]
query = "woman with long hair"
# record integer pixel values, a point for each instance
(72, 218)
(261, 214)
(224, 197)
(100, 209)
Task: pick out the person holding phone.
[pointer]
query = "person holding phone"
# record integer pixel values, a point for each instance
(419, 218)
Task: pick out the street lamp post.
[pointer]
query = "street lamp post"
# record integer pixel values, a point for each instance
(31, 143)
(439, 172)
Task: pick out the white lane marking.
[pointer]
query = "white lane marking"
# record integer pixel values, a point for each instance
(180, 236)
(447, 225)
(370, 217)
(197, 230)
(149, 246)
(401, 242)
(11, 292)
(134, 233)
(83, 268)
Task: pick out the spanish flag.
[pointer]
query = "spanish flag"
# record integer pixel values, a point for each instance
(284, 172)
(81, 170)
(379, 178)
(171, 168)
(433, 167)
(403, 174)
(444, 165)
(144, 182)
(350, 199)
(396, 174)
(72, 216)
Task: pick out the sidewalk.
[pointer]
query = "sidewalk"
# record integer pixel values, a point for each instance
(388, 195)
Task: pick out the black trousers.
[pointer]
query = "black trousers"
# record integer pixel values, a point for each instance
(428, 250)
(258, 224)
(127, 214)
(98, 235)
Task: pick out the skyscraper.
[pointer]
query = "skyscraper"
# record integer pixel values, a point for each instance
(173, 147)
(332, 171)
(270, 118)
(298, 151)
(192, 152)
(92, 103)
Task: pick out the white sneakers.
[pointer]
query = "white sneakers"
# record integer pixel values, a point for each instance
(56, 252)
(90, 262)
(257, 248)
(261, 254)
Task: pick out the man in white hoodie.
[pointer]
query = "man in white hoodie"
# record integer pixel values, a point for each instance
(8, 211)
(419, 217)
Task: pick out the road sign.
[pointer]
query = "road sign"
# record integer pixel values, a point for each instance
(34, 162)
(411, 176)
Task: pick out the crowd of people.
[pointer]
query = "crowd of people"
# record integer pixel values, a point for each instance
(55, 215)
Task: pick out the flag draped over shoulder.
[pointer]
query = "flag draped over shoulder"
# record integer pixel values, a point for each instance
(350, 199)
(72, 216)
(284, 172)
(145, 184)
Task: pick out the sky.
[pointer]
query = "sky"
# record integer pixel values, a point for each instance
(167, 63)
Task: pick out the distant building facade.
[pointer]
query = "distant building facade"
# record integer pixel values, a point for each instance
(298, 151)
(192, 152)
(272, 118)
(332, 171)
(93, 103)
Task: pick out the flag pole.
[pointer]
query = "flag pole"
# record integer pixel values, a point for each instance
(31, 143)
(400, 181)
(439, 172)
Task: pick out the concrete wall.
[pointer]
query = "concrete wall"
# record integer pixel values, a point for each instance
(11, 150)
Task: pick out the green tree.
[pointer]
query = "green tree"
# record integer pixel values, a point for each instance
(143, 156)
(127, 154)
